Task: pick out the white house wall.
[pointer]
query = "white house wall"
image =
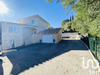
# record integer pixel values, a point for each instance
(59, 36)
(42, 26)
(27, 35)
(36, 38)
(0, 36)
(0, 32)
(37, 22)
(28, 21)
(8, 37)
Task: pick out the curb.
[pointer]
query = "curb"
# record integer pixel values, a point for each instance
(6, 51)
(98, 69)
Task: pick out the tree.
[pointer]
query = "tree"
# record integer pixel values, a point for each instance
(67, 26)
(50, 27)
(64, 22)
(87, 19)
(72, 17)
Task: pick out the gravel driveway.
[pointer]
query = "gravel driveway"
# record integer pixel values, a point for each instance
(32, 55)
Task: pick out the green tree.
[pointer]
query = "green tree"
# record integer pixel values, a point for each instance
(50, 27)
(87, 19)
(67, 26)
(64, 22)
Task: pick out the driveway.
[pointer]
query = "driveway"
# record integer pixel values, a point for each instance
(29, 56)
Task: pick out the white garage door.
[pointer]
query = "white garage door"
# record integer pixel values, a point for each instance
(47, 39)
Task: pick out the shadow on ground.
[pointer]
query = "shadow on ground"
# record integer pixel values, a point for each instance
(1, 68)
(35, 54)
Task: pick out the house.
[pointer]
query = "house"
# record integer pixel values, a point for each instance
(35, 20)
(22, 33)
(51, 35)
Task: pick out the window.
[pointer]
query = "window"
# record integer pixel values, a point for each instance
(32, 21)
(12, 29)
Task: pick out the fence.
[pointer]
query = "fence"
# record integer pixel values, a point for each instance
(94, 46)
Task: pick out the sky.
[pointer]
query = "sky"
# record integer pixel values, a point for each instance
(54, 13)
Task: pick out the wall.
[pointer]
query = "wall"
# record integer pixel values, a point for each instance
(36, 38)
(42, 26)
(70, 35)
(8, 37)
(59, 35)
(55, 37)
(0, 33)
(28, 21)
(27, 33)
(37, 22)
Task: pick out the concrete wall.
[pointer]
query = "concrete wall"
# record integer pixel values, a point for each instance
(8, 38)
(59, 36)
(27, 33)
(42, 26)
(56, 36)
(36, 38)
(70, 35)
(0, 33)
(19, 37)
(37, 22)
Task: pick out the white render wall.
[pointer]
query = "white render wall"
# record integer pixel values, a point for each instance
(56, 36)
(37, 22)
(42, 26)
(0, 32)
(36, 38)
(59, 36)
(9, 37)
(70, 35)
(22, 36)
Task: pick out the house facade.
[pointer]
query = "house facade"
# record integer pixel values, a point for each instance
(22, 33)
(35, 20)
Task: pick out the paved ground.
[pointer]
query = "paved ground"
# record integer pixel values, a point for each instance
(32, 55)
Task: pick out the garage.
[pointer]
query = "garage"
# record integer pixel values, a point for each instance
(51, 35)
(47, 39)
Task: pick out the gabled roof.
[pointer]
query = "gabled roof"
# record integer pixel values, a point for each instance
(50, 31)
(34, 16)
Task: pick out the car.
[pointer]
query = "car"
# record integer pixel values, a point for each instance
(0, 53)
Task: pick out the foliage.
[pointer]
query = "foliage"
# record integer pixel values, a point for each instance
(64, 22)
(87, 19)
(50, 27)
(67, 26)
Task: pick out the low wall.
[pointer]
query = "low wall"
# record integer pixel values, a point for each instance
(70, 35)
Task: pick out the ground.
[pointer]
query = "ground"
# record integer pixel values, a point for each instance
(50, 59)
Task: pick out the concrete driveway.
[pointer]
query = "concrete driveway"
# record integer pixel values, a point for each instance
(29, 56)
